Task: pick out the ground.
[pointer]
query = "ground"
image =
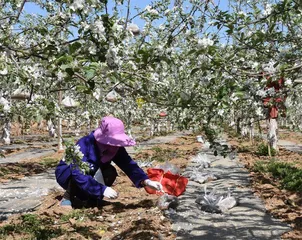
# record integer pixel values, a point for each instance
(283, 204)
(135, 215)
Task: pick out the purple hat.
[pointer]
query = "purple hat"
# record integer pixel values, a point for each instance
(112, 132)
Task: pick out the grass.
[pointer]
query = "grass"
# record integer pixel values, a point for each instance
(289, 176)
(262, 150)
(77, 214)
(27, 168)
(33, 226)
(161, 154)
(49, 162)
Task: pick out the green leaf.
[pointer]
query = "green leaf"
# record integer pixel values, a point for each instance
(69, 71)
(64, 59)
(90, 73)
(239, 94)
(91, 84)
(74, 47)
(194, 71)
(81, 88)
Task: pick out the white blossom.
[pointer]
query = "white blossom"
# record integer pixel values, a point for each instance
(117, 27)
(233, 97)
(5, 104)
(259, 111)
(77, 4)
(132, 64)
(267, 10)
(112, 56)
(92, 49)
(78, 152)
(269, 67)
(220, 112)
(288, 82)
(151, 10)
(61, 75)
(84, 25)
(97, 93)
(98, 27)
(4, 71)
(205, 42)
(271, 91)
(255, 65)
(242, 13)
(261, 93)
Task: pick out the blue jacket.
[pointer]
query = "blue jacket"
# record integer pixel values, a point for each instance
(91, 153)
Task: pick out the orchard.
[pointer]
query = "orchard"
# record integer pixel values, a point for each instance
(204, 65)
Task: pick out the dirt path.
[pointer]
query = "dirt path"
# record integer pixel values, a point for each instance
(247, 220)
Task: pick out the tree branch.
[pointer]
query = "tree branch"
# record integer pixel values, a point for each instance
(128, 13)
(20, 10)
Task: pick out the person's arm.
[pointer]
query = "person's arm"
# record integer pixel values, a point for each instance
(130, 167)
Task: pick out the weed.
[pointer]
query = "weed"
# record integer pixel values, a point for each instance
(243, 149)
(260, 166)
(33, 225)
(19, 141)
(289, 176)
(7, 230)
(4, 171)
(49, 162)
(75, 214)
(262, 150)
(162, 155)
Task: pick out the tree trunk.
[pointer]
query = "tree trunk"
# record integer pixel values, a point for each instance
(272, 133)
(6, 133)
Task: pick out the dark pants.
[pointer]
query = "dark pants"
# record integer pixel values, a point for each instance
(73, 191)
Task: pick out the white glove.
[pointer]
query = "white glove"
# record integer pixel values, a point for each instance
(154, 185)
(110, 193)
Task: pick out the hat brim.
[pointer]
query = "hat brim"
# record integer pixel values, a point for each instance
(119, 140)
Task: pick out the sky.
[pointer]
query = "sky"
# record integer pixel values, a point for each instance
(31, 7)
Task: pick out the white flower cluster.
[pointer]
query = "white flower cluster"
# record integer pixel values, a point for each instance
(98, 27)
(151, 10)
(77, 4)
(271, 91)
(112, 56)
(259, 111)
(205, 42)
(34, 71)
(261, 93)
(269, 67)
(77, 152)
(3, 71)
(5, 104)
(267, 10)
(288, 82)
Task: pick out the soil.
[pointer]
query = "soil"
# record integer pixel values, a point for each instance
(135, 215)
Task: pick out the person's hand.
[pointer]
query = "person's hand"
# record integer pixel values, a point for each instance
(110, 193)
(153, 184)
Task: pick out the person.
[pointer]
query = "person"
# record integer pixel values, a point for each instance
(100, 148)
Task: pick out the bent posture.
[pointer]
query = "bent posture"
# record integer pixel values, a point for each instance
(101, 147)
